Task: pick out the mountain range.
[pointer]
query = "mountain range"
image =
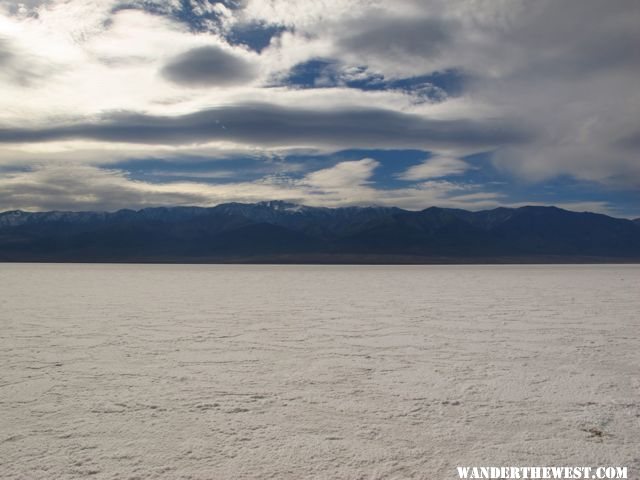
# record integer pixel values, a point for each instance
(281, 232)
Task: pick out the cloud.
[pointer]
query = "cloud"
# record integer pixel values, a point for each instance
(630, 142)
(271, 125)
(81, 187)
(5, 53)
(575, 86)
(61, 187)
(207, 66)
(21, 68)
(547, 97)
(343, 175)
(22, 8)
(436, 167)
(387, 36)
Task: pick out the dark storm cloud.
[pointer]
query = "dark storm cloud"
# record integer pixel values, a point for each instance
(630, 142)
(577, 36)
(207, 66)
(268, 125)
(381, 36)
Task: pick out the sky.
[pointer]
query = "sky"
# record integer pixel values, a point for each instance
(110, 104)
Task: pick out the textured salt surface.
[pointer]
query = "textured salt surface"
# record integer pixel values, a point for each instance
(231, 372)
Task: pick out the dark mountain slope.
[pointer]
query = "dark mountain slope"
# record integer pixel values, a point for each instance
(551, 230)
(270, 231)
(433, 231)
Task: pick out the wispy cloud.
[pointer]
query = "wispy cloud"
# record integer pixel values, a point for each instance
(435, 167)
(64, 187)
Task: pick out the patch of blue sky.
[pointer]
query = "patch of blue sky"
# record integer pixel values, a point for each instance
(250, 168)
(255, 36)
(326, 73)
(195, 169)
(197, 14)
(482, 175)
(559, 190)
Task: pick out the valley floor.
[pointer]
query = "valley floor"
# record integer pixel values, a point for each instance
(315, 372)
